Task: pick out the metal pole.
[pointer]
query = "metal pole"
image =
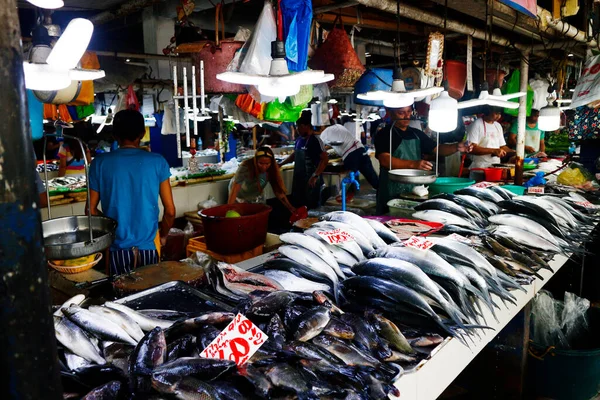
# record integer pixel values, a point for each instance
(194, 101)
(186, 108)
(27, 345)
(87, 179)
(176, 105)
(522, 120)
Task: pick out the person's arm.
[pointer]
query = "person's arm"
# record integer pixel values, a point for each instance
(289, 159)
(62, 166)
(512, 140)
(483, 151)
(284, 200)
(235, 189)
(94, 202)
(88, 155)
(324, 160)
(398, 163)
(166, 197)
(542, 146)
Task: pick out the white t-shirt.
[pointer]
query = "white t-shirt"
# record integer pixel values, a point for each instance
(337, 133)
(486, 135)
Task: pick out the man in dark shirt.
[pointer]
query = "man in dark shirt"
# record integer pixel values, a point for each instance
(409, 148)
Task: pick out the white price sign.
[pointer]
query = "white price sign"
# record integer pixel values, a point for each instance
(459, 238)
(336, 236)
(237, 342)
(418, 242)
(536, 190)
(586, 204)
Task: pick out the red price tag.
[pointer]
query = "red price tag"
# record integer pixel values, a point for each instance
(336, 236)
(459, 238)
(418, 242)
(585, 204)
(536, 190)
(484, 184)
(237, 342)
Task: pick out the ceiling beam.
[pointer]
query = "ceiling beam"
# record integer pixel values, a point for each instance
(123, 10)
(370, 23)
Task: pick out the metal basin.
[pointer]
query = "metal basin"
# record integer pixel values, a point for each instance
(69, 237)
(412, 176)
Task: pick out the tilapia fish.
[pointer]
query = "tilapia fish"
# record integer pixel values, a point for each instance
(109, 391)
(150, 352)
(312, 323)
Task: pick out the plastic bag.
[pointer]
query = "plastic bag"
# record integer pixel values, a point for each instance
(211, 202)
(513, 85)
(258, 57)
(574, 316)
(297, 22)
(571, 177)
(546, 321)
(188, 233)
(283, 112)
(132, 101)
(304, 96)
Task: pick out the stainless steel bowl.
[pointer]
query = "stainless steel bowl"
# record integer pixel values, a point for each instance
(69, 237)
(412, 176)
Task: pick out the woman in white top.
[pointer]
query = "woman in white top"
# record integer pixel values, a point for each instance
(487, 137)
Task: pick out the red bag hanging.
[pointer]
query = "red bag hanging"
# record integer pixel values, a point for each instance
(337, 56)
(132, 101)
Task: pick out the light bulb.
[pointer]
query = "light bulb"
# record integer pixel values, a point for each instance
(398, 100)
(549, 119)
(279, 88)
(443, 113)
(48, 4)
(71, 45)
(45, 78)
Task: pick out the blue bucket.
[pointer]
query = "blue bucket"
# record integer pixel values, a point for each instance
(373, 79)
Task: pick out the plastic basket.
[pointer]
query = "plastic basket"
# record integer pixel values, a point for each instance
(75, 269)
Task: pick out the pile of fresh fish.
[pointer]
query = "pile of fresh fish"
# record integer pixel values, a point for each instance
(314, 351)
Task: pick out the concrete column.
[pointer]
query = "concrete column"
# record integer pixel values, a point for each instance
(158, 32)
(27, 345)
(522, 119)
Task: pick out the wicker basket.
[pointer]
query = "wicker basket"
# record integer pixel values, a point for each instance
(76, 268)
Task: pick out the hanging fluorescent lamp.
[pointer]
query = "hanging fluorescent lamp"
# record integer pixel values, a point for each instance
(549, 119)
(443, 112)
(279, 82)
(398, 97)
(496, 99)
(48, 4)
(60, 65)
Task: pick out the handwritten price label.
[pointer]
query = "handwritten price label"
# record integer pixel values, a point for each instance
(535, 190)
(336, 236)
(237, 342)
(459, 238)
(585, 204)
(418, 242)
(484, 184)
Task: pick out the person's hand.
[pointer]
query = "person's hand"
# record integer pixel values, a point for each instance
(465, 147)
(293, 210)
(163, 241)
(312, 181)
(424, 165)
(499, 153)
(529, 149)
(541, 154)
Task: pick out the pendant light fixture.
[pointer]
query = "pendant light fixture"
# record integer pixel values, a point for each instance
(54, 70)
(549, 119)
(279, 82)
(398, 97)
(496, 99)
(47, 4)
(443, 110)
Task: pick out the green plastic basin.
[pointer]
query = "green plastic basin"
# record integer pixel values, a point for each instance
(449, 185)
(518, 190)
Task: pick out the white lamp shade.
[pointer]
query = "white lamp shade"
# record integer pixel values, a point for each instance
(78, 74)
(443, 113)
(549, 119)
(398, 100)
(71, 45)
(48, 4)
(45, 78)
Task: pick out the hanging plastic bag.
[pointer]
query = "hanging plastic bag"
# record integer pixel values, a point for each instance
(282, 112)
(247, 104)
(304, 96)
(132, 101)
(258, 57)
(513, 85)
(297, 22)
(337, 56)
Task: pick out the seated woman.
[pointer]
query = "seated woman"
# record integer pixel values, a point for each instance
(252, 177)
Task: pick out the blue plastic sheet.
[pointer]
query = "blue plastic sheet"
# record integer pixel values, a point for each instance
(297, 21)
(36, 116)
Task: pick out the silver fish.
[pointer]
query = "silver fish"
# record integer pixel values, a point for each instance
(525, 224)
(383, 231)
(523, 237)
(77, 300)
(341, 256)
(358, 223)
(351, 246)
(475, 202)
(76, 341)
(362, 240)
(146, 323)
(444, 218)
(314, 245)
(98, 325)
(121, 319)
(312, 261)
(294, 283)
(74, 361)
